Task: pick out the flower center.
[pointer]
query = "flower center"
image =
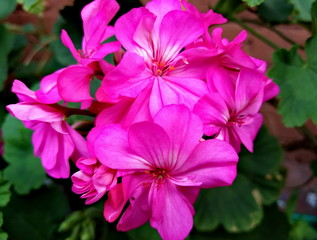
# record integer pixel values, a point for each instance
(236, 121)
(159, 68)
(158, 173)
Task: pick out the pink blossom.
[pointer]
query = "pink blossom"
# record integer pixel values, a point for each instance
(53, 139)
(74, 81)
(154, 64)
(163, 165)
(93, 180)
(230, 111)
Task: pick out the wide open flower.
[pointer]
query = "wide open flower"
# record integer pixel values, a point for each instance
(163, 164)
(230, 111)
(154, 38)
(53, 139)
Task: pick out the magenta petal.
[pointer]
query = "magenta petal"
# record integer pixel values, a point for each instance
(172, 213)
(271, 89)
(70, 45)
(114, 204)
(162, 95)
(106, 49)
(161, 7)
(74, 83)
(54, 150)
(218, 80)
(190, 90)
(249, 91)
(213, 162)
(141, 137)
(184, 129)
(23, 92)
(213, 111)
(112, 149)
(36, 112)
(247, 133)
(79, 141)
(127, 24)
(96, 17)
(48, 92)
(174, 38)
(139, 210)
(125, 80)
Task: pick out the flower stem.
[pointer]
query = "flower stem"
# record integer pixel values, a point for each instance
(254, 33)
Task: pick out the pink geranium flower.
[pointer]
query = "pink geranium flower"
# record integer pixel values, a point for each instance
(53, 139)
(163, 165)
(230, 111)
(74, 81)
(93, 180)
(154, 64)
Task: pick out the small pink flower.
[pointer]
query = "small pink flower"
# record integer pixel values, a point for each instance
(163, 165)
(73, 82)
(93, 180)
(53, 139)
(230, 111)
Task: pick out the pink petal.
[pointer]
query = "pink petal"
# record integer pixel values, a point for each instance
(70, 45)
(74, 83)
(213, 163)
(112, 149)
(174, 38)
(124, 80)
(162, 95)
(184, 129)
(249, 91)
(114, 204)
(141, 137)
(79, 141)
(139, 210)
(190, 90)
(96, 17)
(23, 92)
(106, 49)
(126, 26)
(213, 111)
(247, 133)
(36, 112)
(48, 92)
(172, 213)
(218, 80)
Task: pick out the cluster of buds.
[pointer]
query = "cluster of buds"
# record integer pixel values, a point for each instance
(173, 84)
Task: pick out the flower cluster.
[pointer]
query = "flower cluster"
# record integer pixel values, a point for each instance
(173, 83)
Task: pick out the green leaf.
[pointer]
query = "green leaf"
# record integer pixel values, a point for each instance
(262, 167)
(275, 10)
(234, 207)
(35, 216)
(298, 83)
(273, 227)
(302, 8)
(253, 3)
(25, 171)
(303, 231)
(238, 208)
(313, 13)
(32, 6)
(62, 53)
(145, 232)
(7, 7)
(6, 43)
(313, 166)
(3, 235)
(4, 192)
